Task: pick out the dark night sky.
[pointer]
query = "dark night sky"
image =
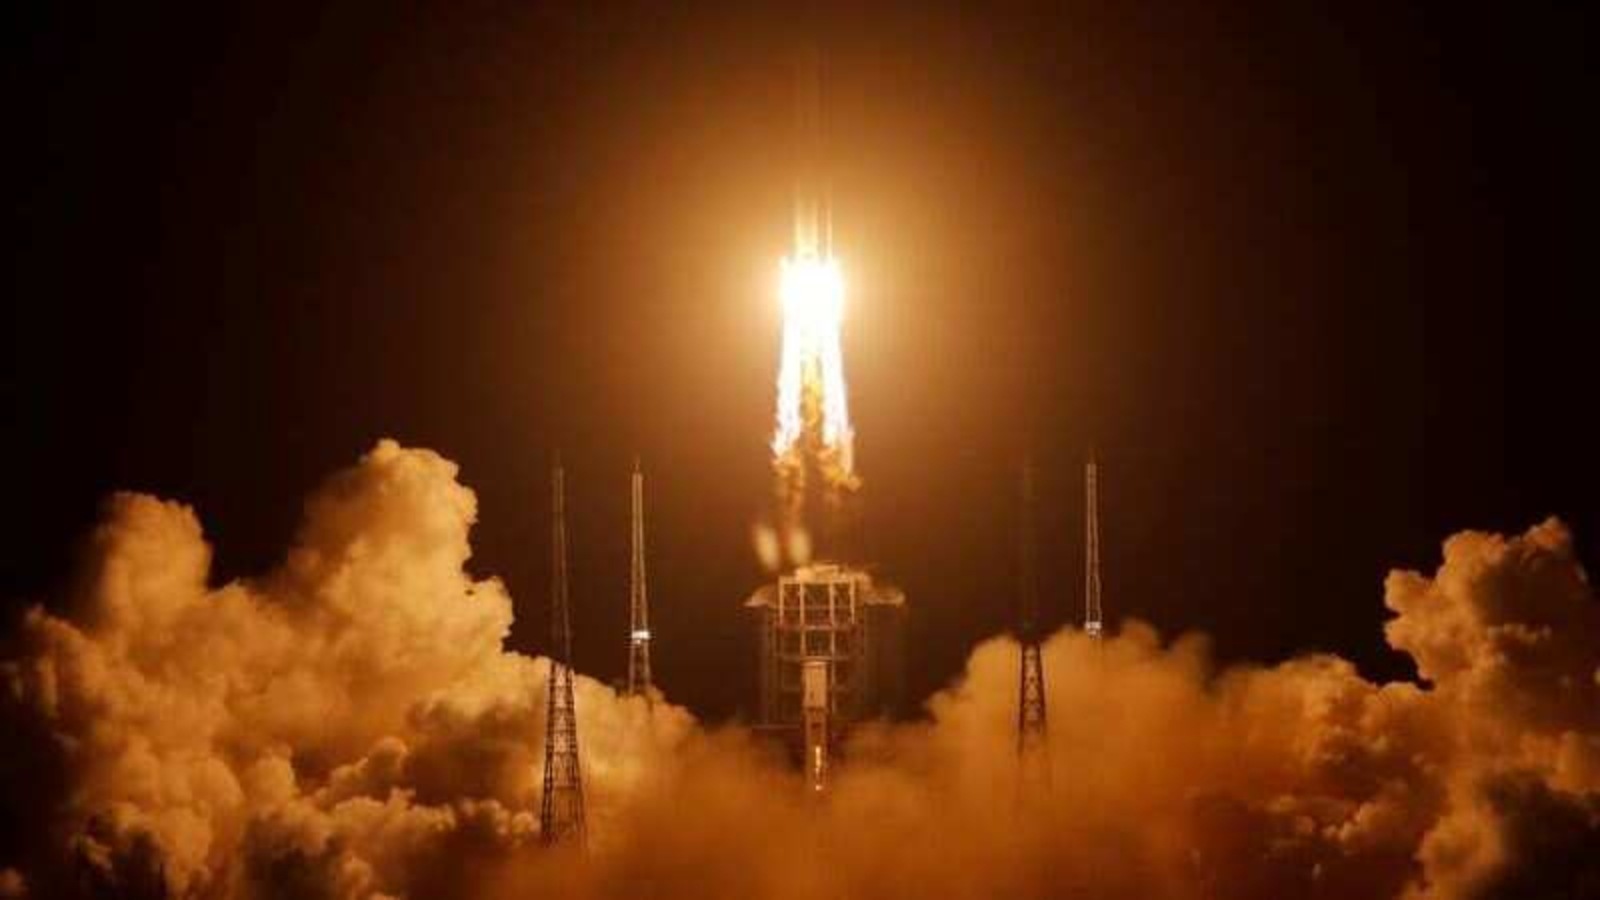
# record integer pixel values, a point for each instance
(1315, 281)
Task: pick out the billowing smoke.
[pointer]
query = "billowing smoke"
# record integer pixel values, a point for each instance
(350, 725)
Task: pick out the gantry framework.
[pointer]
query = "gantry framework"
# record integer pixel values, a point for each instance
(830, 641)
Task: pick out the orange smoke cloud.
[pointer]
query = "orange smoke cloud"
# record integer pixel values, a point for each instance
(350, 725)
(343, 721)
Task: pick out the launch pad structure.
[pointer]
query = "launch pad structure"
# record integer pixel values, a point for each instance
(831, 649)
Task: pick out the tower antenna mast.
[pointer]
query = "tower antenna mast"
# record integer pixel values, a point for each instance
(639, 680)
(1031, 723)
(561, 814)
(1092, 621)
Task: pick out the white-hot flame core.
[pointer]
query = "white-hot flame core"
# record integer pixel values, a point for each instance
(812, 291)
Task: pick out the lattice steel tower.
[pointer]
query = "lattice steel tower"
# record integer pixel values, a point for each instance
(1091, 535)
(1031, 725)
(639, 683)
(561, 816)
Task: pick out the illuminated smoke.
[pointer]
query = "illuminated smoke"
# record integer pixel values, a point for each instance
(347, 725)
(350, 725)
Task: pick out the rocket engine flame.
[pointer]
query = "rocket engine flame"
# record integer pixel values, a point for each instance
(812, 396)
(813, 442)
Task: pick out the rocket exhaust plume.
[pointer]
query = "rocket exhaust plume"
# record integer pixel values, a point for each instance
(812, 403)
(812, 433)
(813, 430)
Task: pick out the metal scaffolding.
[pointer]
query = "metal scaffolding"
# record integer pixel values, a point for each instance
(830, 645)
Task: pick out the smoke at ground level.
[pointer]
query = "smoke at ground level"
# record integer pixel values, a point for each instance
(351, 725)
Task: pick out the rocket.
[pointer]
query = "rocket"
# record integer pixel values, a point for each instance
(813, 214)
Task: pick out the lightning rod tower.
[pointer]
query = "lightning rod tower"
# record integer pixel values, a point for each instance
(1092, 623)
(639, 682)
(561, 818)
(1031, 723)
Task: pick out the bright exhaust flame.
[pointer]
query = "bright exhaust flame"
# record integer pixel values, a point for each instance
(811, 385)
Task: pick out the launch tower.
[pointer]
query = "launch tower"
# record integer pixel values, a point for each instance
(561, 815)
(830, 648)
(1032, 728)
(1092, 623)
(639, 682)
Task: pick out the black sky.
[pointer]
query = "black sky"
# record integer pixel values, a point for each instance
(1315, 280)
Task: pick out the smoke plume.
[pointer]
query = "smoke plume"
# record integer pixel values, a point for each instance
(351, 725)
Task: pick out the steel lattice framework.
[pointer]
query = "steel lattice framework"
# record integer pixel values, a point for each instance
(639, 681)
(561, 814)
(1092, 623)
(1032, 727)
